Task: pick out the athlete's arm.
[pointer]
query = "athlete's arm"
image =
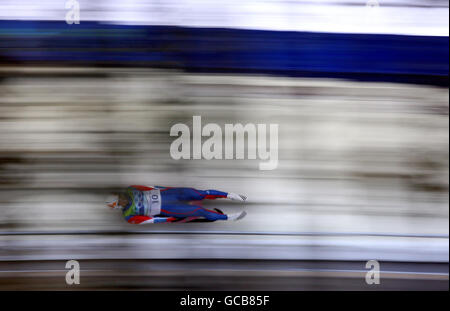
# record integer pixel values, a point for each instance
(141, 220)
(141, 188)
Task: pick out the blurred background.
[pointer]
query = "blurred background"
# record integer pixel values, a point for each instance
(359, 90)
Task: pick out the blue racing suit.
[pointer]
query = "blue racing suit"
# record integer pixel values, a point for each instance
(167, 204)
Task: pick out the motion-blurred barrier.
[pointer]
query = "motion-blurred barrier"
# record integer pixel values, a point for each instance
(368, 57)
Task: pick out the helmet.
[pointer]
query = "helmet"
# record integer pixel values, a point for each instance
(112, 201)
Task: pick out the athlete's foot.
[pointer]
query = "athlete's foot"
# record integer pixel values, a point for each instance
(236, 216)
(236, 197)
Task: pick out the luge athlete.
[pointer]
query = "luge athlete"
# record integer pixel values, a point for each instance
(142, 204)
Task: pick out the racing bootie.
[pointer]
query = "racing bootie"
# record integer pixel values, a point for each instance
(236, 197)
(236, 216)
